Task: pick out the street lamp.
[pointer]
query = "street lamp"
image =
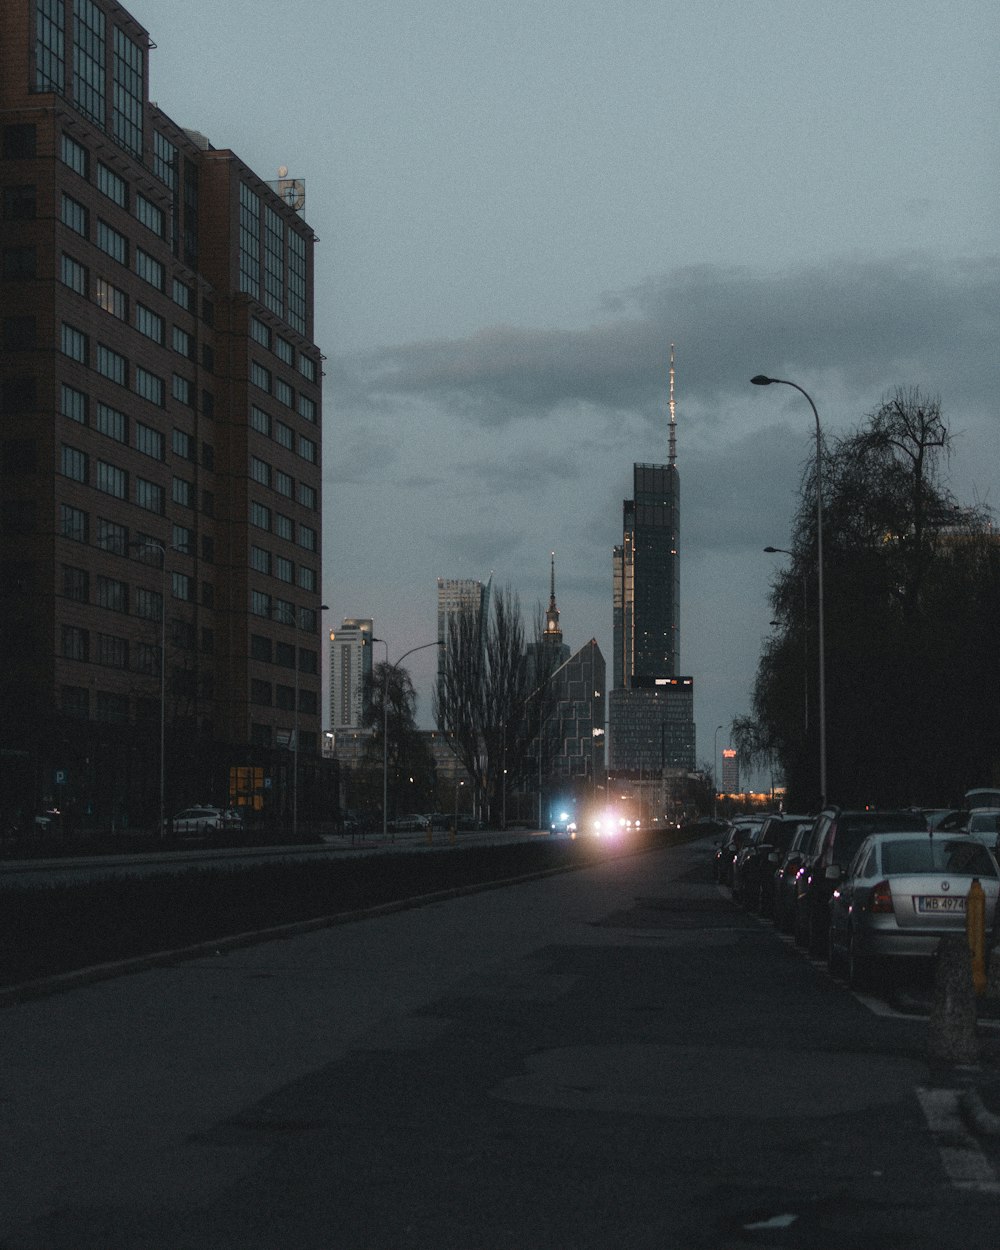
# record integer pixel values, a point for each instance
(762, 380)
(293, 616)
(715, 778)
(385, 721)
(771, 551)
(149, 544)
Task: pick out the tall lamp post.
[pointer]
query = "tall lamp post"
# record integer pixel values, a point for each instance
(293, 617)
(385, 721)
(715, 777)
(149, 544)
(762, 380)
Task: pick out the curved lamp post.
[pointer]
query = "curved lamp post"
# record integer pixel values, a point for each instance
(385, 721)
(293, 617)
(762, 380)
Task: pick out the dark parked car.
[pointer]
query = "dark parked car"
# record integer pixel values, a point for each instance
(832, 845)
(785, 877)
(900, 895)
(756, 863)
(733, 841)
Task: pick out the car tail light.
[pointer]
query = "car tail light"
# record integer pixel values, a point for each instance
(881, 898)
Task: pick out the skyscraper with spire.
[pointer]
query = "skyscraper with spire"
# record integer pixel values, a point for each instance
(651, 706)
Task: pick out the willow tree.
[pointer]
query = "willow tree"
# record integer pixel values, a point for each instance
(902, 565)
(495, 696)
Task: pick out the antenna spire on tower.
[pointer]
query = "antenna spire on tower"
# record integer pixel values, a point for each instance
(673, 414)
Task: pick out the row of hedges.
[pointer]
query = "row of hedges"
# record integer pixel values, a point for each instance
(61, 928)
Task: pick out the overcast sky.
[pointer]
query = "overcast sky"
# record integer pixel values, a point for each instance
(521, 206)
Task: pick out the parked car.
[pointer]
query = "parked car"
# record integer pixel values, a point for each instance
(744, 860)
(984, 825)
(784, 880)
(756, 864)
(197, 820)
(733, 840)
(901, 893)
(832, 845)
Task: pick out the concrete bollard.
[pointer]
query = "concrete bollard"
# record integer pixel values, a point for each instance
(951, 1034)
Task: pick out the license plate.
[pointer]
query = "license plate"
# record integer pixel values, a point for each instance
(938, 902)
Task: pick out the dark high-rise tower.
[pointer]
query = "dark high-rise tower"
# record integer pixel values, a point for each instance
(646, 685)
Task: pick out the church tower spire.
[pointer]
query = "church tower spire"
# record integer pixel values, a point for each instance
(553, 634)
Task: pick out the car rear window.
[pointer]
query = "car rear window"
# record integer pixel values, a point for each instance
(965, 856)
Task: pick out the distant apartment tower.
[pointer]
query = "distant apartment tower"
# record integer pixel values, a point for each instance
(650, 707)
(730, 771)
(454, 596)
(160, 402)
(350, 672)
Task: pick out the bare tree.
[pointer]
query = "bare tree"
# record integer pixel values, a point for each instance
(493, 697)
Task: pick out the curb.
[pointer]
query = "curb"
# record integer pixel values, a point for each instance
(26, 991)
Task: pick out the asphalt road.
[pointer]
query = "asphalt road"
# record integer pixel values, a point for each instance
(612, 1058)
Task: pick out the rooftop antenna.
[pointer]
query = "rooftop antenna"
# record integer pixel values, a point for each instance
(673, 414)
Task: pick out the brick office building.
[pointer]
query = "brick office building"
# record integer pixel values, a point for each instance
(160, 418)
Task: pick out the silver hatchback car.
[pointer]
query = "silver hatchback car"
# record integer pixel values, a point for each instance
(902, 893)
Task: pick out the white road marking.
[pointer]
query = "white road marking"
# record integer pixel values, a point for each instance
(966, 1165)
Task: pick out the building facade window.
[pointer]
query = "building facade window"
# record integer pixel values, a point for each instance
(307, 449)
(260, 516)
(75, 583)
(307, 538)
(149, 269)
(149, 386)
(148, 495)
(75, 643)
(112, 423)
(284, 350)
(149, 214)
(112, 364)
(260, 560)
(284, 527)
(284, 484)
(112, 480)
(307, 408)
(148, 604)
(284, 435)
(73, 274)
(72, 523)
(260, 376)
(259, 332)
(89, 60)
(112, 242)
(111, 299)
(74, 343)
(182, 492)
(50, 46)
(182, 539)
(180, 586)
(73, 404)
(297, 293)
(182, 444)
(260, 471)
(182, 342)
(112, 651)
(307, 367)
(111, 537)
(284, 569)
(307, 496)
(260, 420)
(307, 577)
(129, 93)
(149, 441)
(260, 603)
(149, 323)
(181, 389)
(112, 185)
(75, 155)
(283, 393)
(181, 294)
(73, 463)
(112, 594)
(249, 241)
(75, 215)
(274, 261)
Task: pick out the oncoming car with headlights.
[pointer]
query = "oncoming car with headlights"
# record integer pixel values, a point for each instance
(563, 822)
